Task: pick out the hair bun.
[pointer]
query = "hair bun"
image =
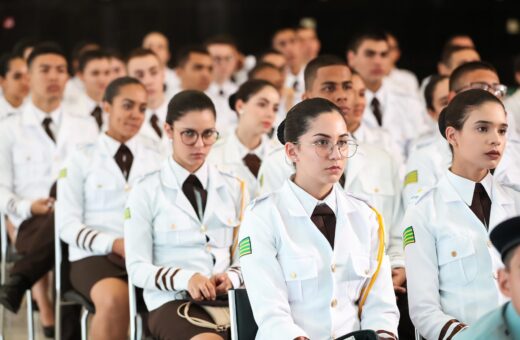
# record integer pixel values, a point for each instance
(280, 132)
(442, 122)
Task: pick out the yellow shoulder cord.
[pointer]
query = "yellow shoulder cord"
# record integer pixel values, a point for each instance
(380, 252)
(240, 215)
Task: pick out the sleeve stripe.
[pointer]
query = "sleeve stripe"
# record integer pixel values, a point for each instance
(157, 278)
(79, 236)
(457, 329)
(173, 275)
(445, 328)
(92, 241)
(85, 238)
(163, 276)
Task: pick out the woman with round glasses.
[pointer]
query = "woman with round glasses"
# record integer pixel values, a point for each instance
(312, 255)
(181, 226)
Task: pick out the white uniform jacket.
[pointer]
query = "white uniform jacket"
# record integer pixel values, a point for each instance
(7, 110)
(93, 194)
(427, 164)
(298, 285)
(31, 161)
(166, 243)
(227, 118)
(403, 116)
(371, 174)
(228, 153)
(83, 105)
(450, 262)
(148, 131)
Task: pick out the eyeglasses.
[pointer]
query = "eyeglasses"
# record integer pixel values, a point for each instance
(190, 137)
(498, 90)
(324, 148)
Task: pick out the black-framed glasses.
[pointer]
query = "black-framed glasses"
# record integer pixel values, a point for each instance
(499, 90)
(324, 148)
(190, 137)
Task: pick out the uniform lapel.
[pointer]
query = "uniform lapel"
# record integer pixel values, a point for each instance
(501, 203)
(354, 166)
(181, 201)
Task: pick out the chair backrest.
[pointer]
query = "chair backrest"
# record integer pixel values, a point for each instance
(243, 325)
(365, 334)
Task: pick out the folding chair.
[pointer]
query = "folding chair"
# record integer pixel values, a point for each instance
(243, 325)
(8, 256)
(136, 322)
(70, 297)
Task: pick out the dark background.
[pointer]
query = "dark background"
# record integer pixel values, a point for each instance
(421, 25)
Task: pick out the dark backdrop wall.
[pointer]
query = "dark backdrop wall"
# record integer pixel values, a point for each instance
(421, 25)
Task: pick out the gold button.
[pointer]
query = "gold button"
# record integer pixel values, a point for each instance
(127, 187)
(208, 249)
(173, 226)
(367, 271)
(454, 254)
(229, 221)
(334, 303)
(376, 190)
(203, 228)
(420, 190)
(489, 244)
(293, 275)
(333, 267)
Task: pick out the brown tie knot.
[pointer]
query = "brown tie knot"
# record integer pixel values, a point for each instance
(481, 204)
(124, 159)
(47, 121)
(97, 114)
(154, 121)
(253, 163)
(325, 219)
(190, 185)
(376, 109)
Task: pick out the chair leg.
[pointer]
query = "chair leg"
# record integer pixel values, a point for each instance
(84, 324)
(139, 330)
(30, 315)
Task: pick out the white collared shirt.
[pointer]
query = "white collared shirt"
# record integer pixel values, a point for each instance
(54, 115)
(466, 187)
(227, 118)
(309, 202)
(6, 109)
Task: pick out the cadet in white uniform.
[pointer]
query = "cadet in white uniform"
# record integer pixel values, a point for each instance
(93, 189)
(241, 152)
(181, 227)
(401, 114)
(95, 75)
(145, 65)
(14, 84)
(309, 249)
(33, 147)
(451, 266)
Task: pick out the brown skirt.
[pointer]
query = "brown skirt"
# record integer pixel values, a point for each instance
(85, 273)
(166, 324)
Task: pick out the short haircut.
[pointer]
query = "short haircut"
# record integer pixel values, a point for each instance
(187, 101)
(184, 53)
(88, 56)
(47, 47)
(430, 89)
(260, 67)
(280, 30)
(22, 44)
(80, 48)
(466, 68)
(360, 38)
(139, 53)
(248, 90)
(115, 54)
(315, 64)
(115, 86)
(5, 62)
(221, 40)
(450, 50)
(265, 53)
(449, 41)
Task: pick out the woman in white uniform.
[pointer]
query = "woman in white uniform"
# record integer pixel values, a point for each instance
(241, 153)
(312, 255)
(450, 263)
(181, 227)
(93, 188)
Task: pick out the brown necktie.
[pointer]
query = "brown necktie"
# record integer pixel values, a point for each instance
(47, 127)
(190, 186)
(323, 217)
(124, 159)
(97, 114)
(154, 121)
(342, 180)
(376, 109)
(253, 162)
(481, 204)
